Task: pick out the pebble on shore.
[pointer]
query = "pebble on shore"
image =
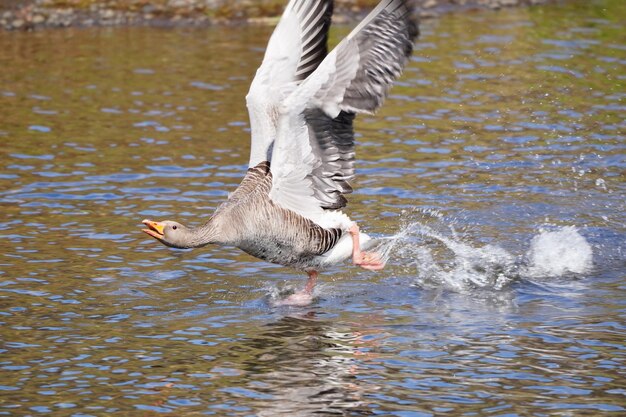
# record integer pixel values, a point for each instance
(35, 14)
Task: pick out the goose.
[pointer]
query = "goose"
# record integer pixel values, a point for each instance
(302, 103)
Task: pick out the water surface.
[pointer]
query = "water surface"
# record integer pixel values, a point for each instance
(497, 163)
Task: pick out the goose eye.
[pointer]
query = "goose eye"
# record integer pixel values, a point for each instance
(174, 227)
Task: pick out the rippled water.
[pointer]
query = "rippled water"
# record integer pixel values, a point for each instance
(497, 165)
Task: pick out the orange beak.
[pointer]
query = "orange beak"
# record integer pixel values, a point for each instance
(155, 229)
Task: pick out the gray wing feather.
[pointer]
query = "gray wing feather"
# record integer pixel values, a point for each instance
(313, 156)
(315, 17)
(332, 140)
(294, 51)
(384, 46)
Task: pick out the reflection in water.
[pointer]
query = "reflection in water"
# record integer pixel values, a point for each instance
(304, 366)
(496, 166)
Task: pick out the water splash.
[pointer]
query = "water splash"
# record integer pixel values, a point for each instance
(436, 256)
(433, 250)
(558, 252)
(453, 263)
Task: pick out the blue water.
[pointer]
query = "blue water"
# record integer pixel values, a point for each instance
(496, 168)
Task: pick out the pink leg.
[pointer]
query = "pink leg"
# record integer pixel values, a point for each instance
(310, 283)
(367, 260)
(304, 297)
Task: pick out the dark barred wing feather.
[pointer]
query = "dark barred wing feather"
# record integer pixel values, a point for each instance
(382, 48)
(384, 45)
(294, 51)
(313, 156)
(314, 17)
(332, 140)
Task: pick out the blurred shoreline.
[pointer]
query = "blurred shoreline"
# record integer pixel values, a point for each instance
(19, 15)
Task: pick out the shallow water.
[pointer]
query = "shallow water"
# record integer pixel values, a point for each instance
(497, 165)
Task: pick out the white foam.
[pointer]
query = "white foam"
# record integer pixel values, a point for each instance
(557, 252)
(443, 259)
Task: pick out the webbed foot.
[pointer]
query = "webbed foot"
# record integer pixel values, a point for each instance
(367, 260)
(297, 299)
(303, 297)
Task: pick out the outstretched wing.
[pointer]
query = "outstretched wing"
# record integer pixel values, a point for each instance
(313, 158)
(294, 51)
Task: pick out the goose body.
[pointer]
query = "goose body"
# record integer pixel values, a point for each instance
(251, 221)
(302, 103)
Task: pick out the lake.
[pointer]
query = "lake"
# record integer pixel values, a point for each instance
(496, 165)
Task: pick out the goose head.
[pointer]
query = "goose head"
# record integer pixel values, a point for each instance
(170, 233)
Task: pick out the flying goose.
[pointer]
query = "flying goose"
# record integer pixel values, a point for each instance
(302, 102)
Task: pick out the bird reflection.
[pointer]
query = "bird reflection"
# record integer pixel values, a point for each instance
(308, 367)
